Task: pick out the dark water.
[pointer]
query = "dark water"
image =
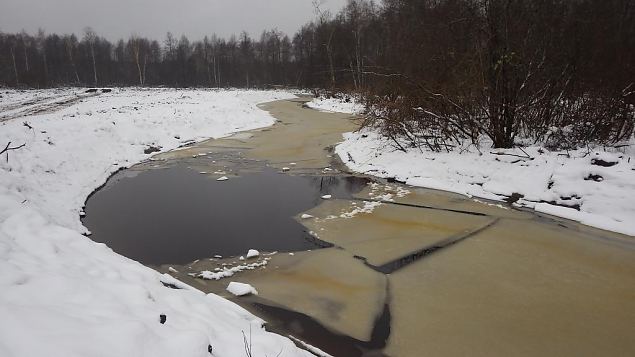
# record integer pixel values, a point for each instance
(176, 215)
(301, 326)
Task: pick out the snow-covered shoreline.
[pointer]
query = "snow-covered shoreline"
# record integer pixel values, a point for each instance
(63, 294)
(593, 186)
(349, 105)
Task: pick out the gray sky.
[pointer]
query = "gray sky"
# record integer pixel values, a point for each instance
(114, 19)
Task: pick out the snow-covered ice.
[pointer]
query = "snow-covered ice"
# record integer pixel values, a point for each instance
(65, 295)
(240, 289)
(252, 253)
(595, 187)
(226, 272)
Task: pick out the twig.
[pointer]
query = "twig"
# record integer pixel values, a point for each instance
(9, 148)
(506, 154)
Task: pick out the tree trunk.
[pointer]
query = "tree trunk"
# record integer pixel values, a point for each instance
(46, 69)
(136, 59)
(92, 53)
(69, 51)
(15, 67)
(214, 68)
(329, 52)
(26, 59)
(145, 66)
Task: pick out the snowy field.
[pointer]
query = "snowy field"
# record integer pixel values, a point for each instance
(593, 186)
(63, 294)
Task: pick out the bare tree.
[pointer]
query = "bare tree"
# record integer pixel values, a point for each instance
(41, 45)
(70, 43)
(25, 40)
(324, 21)
(136, 44)
(90, 37)
(15, 66)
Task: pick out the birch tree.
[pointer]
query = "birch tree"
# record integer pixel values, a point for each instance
(90, 38)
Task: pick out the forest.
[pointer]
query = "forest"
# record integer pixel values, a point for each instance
(432, 73)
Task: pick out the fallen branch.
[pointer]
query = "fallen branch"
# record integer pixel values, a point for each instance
(9, 148)
(506, 154)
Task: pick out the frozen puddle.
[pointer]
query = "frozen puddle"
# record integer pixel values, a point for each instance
(176, 215)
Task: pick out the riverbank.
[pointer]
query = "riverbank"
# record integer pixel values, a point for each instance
(594, 185)
(66, 295)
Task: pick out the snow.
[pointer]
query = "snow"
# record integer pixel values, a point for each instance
(306, 216)
(348, 106)
(222, 178)
(241, 289)
(548, 181)
(226, 272)
(318, 352)
(326, 197)
(252, 253)
(65, 295)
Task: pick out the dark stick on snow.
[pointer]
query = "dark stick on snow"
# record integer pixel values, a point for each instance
(9, 148)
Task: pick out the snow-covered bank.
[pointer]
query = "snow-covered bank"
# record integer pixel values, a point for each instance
(348, 105)
(64, 295)
(598, 185)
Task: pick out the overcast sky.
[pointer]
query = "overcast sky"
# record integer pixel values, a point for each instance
(114, 19)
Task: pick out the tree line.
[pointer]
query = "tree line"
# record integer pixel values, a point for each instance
(431, 72)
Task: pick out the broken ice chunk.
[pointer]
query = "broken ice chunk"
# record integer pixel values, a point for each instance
(240, 289)
(252, 253)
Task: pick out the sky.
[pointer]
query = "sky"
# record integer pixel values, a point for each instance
(114, 19)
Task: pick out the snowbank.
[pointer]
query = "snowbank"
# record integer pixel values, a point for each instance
(596, 188)
(241, 289)
(64, 295)
(349, 106)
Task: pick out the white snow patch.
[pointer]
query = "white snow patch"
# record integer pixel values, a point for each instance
(306, 216)
(349, 105)
(326, 197)
(241, 289)
(368, 207)
(226, 272)
(316, 351)
(222, 178)
(65, 295)
(252, 253)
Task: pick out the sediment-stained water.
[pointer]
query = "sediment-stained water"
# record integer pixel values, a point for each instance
(390, 231)
(329, 285)
(518, 288)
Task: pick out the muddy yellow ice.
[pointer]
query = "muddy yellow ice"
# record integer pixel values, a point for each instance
(514, 283)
